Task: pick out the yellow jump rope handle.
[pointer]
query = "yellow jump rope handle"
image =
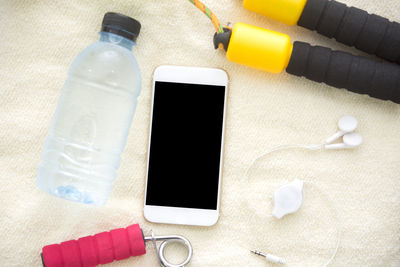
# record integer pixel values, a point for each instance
(259, 48)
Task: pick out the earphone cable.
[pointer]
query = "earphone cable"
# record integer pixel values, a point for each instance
(309, 147)
(278, 148)
(339, 222)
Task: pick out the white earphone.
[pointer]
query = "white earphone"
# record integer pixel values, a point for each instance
(289, 197)
(347, 126)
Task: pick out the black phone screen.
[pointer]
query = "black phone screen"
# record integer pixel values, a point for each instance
(185, 145)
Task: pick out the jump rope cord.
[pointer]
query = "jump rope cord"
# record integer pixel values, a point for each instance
(217, 25)
(339, 221)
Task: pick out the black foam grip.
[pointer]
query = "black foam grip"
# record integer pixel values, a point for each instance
(343, 70)
(354, 27)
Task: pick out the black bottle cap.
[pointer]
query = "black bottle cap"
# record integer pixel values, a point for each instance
(121, 25)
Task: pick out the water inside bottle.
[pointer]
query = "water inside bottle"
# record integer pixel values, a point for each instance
(83, 150)
(91, 124)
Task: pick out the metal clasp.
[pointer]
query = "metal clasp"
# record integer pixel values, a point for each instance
(166, 240)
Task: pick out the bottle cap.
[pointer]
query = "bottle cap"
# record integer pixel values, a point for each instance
(122, 25)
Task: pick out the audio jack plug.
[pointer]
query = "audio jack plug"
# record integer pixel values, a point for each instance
(269, 257)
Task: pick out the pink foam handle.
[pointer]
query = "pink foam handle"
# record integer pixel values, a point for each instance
(88, 245)
(71, 254)
(136, 241)
(101, 248)
(104, 247)
(121, 244)
(52, 256)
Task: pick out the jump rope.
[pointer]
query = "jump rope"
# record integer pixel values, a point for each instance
(273, 51)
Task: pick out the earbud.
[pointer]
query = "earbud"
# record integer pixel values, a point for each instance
(347, 124)
(350, 140)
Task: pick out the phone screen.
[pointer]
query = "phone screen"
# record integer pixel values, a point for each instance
(185, 145)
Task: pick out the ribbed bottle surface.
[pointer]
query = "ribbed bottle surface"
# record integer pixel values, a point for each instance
(88, 133)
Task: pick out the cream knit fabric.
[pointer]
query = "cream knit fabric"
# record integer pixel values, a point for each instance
(38, 41)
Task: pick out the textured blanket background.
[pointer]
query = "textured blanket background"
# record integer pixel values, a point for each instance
(38, 41)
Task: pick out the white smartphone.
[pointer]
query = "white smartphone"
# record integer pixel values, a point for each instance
(186, 145)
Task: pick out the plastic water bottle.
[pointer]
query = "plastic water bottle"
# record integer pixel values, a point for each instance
(88, 133)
